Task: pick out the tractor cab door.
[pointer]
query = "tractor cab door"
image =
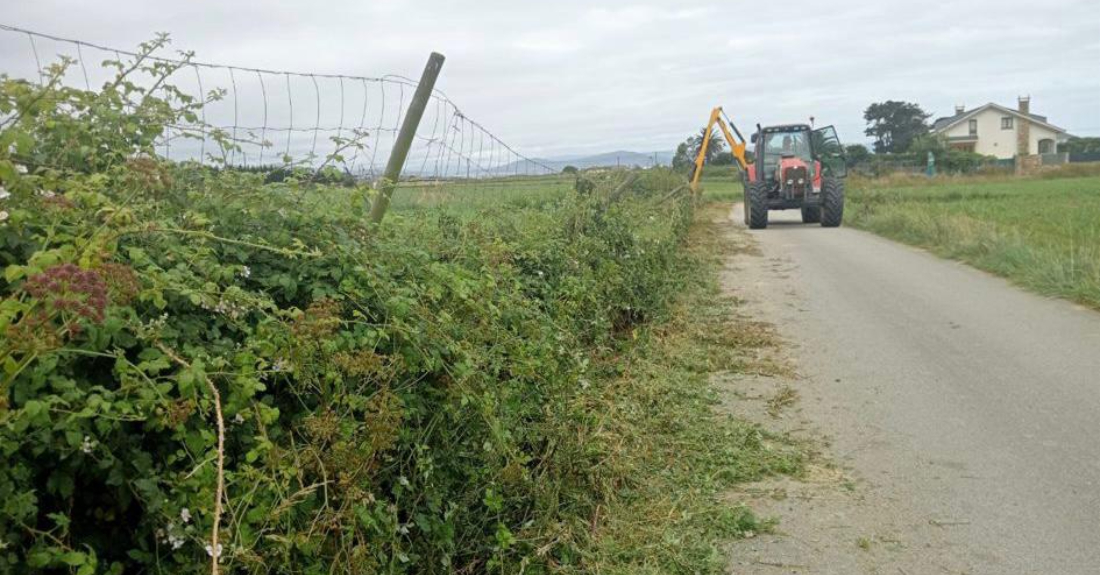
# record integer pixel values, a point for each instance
(829, 151)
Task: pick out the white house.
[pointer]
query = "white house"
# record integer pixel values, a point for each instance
(995, 130)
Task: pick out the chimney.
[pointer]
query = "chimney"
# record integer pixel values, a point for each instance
(1023, 127)
(960, 109)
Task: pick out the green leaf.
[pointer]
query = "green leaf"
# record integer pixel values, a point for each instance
(14, 272)
(73, 558)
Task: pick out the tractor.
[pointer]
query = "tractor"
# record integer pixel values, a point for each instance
(794, 167)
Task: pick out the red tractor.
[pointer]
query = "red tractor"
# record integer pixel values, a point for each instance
(795, 167)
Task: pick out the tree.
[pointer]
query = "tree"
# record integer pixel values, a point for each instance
(714, 147)
(894, 125)
(681, 159)
(723, 159)
(569, 170)
(856, 154)
(688, 150)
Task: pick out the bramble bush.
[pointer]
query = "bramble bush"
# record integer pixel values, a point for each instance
(190, 351)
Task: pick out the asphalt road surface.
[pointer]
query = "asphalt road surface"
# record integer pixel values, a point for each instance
(966, 409)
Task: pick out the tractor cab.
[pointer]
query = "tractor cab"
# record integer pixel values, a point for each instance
(786, 160)
(791, 159)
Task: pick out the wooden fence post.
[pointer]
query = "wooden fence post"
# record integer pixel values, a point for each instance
(405, 136)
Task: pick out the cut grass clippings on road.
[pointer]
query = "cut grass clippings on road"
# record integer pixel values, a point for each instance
(659, 411)
(1041, 233)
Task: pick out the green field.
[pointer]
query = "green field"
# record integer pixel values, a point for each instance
(521, 191)
(721, 185)
(1043, 234)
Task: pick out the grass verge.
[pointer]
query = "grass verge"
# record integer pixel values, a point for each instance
(1043, 234)
(662, 430)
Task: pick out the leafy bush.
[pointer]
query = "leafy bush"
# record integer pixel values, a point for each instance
(856, 155)
(948, 159)
(1087, 145)
(191, 351)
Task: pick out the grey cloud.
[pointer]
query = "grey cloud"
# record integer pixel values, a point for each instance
(580, 76)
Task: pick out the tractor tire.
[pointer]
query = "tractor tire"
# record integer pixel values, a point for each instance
(811, 214)
(756, 208)
(832, 202)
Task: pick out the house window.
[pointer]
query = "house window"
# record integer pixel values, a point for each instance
(1006, 123)
(973, 127)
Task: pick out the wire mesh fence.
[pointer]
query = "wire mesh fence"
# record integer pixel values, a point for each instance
(275, 120)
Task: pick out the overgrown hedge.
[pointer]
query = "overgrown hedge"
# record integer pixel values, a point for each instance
(396, 400)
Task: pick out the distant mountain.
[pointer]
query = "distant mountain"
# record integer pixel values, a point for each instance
(607, 159)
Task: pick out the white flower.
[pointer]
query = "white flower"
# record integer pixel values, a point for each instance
(214, 552)
(46, 193)
(238, 418)
(404, 529)
(20, 168)
(4, 193)
(87, 445)
(246, 272)
(403, 481)
(540, 273)
(174, 538)
(229, 308)
(185, 515)
(4, 216)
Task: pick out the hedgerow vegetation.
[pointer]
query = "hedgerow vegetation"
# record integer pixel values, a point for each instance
(207, 367)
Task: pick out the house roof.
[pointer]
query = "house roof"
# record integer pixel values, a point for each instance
(943, 123)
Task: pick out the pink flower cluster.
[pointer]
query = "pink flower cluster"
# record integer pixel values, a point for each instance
(68, 288)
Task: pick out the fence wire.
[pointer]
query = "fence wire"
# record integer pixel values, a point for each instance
(280, 118)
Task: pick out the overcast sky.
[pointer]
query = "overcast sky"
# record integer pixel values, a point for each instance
(572, 76)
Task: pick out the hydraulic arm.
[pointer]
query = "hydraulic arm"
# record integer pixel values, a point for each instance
(737, 145)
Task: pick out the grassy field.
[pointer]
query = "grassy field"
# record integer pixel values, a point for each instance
(1042, 234)
(721, 188)
(522, 191)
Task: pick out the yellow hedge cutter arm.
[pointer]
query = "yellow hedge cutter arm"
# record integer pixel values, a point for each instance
(737, 146)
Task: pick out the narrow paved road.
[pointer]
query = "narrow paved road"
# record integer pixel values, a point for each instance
(969, 409)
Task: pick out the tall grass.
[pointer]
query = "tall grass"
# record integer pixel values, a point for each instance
(1041, 232)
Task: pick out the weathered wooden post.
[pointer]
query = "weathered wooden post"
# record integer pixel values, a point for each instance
(405, 136)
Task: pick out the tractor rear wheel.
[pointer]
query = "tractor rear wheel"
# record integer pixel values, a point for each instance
(756, 210)
(811, 214)
(832, 202)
